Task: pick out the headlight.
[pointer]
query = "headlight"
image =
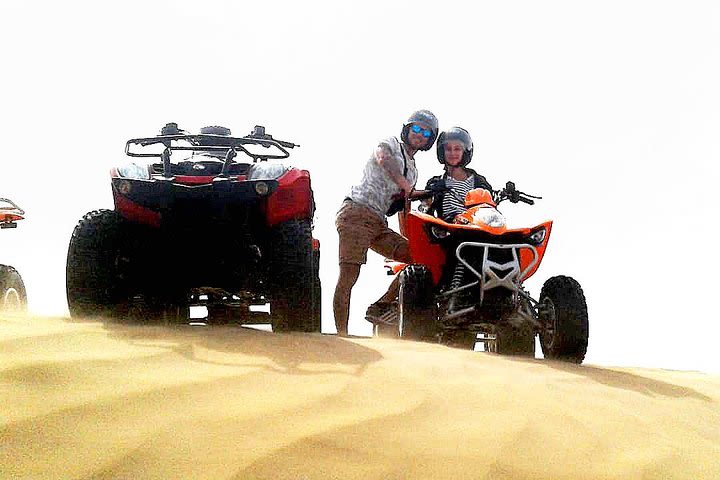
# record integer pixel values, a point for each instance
(438, 232)
(261, 188)
(266, 171)
(124, 187)
(489, 216)
(133, 170)
(538, 237)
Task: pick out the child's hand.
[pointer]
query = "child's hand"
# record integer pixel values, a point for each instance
(459, 218)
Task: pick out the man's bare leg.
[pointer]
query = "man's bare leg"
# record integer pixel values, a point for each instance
(402, 254)
(349, 273)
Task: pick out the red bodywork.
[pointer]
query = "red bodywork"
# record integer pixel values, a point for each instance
(432, 255)
(292, 199)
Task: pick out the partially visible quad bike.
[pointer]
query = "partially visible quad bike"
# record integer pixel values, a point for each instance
(13, 297)
(205, 230)
(467, 279)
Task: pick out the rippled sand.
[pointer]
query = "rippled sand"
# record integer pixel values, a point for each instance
(96, 400)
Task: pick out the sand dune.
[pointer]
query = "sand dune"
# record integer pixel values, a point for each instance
(92, 400)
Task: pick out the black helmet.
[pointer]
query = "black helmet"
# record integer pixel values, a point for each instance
(421, 116)
(455, 134)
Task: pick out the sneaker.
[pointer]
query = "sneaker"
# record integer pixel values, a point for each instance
(382, 312)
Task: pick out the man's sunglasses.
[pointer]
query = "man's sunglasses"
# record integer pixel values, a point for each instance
(418, 129)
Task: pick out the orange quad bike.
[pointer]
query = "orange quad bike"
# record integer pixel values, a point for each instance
(466, 284)
(12, 289)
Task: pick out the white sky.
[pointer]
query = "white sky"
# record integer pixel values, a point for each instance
(609, 110)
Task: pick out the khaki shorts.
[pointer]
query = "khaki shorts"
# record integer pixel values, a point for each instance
(359, 229)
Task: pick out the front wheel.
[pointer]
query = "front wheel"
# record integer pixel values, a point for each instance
(292, 277)
(417, 306)
(564, 317)
(95, 283)
(13, 297)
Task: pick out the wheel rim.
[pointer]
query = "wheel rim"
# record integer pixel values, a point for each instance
(11, 300)
(550, 323)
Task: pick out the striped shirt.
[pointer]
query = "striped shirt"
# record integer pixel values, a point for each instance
(454, 201)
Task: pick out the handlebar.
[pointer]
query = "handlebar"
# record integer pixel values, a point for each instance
(526, 200)
(507, 193)
(515, 196)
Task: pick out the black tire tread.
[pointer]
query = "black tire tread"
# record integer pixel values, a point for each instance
(92, 283)
(10, 278)
(291, 277)
(571, 338)
(316, 325)
(418, 321)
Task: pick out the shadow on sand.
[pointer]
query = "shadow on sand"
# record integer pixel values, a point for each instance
(624, 380)
(289, 352)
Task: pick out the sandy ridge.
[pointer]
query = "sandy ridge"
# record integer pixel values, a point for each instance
(101, 400)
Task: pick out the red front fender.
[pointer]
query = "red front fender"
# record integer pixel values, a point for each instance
(292, 199)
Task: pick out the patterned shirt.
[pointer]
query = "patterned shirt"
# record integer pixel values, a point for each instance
(376, 189)
(454, 201)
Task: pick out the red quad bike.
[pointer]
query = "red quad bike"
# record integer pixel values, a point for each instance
(467, 279)
(12, 289)
(205, 230)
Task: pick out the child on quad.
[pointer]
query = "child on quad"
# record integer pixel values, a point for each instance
(389, 177)
(454, 151)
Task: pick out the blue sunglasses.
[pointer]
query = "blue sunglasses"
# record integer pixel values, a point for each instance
(418, 129)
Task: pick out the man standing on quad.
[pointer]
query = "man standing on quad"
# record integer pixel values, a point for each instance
(388, 179)
(454, 151)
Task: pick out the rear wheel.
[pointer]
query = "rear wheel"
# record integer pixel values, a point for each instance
(417, 306)
(95, 283)
(564, 318)
(291, 274)
(13, 297)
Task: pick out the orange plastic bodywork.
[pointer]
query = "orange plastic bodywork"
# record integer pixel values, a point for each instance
(7, 216)
(526, 255)
(468, 217)
(393, 268)
(432, 255)
(478, 196)
(10, 213)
